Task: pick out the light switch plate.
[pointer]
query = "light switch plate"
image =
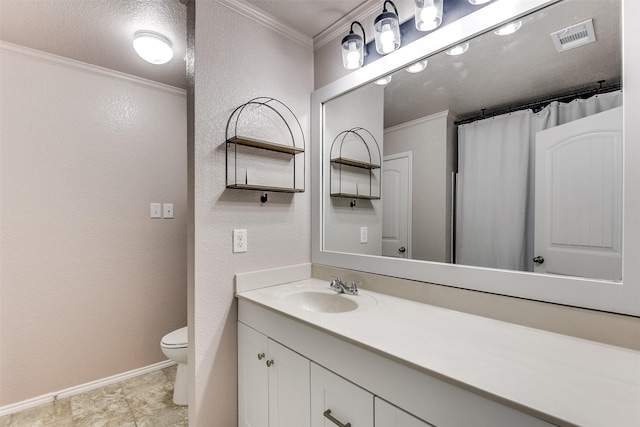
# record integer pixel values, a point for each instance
(167, 210)
(155, 210)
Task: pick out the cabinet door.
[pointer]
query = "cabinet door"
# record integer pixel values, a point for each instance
(388, 415)
(289, 399)
(253, 378)
(336, 402)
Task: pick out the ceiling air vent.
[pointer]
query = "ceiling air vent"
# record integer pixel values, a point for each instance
(574, 36)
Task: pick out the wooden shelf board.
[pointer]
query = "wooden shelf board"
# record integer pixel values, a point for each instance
(355, 196)
(265, 188)
(265, 145)
(355, 163)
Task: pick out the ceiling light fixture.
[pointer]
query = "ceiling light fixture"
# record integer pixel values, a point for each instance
(387, 30)
(153, 47)
(478, 2)
(428, 14)
(510, 28)
(384, 80)
(417, 67)
(458, 50)
(353, 48)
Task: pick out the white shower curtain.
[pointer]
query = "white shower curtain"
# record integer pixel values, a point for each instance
(494, 202)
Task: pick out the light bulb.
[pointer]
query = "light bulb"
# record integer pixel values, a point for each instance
(386, 39)
(429, 13)
(510, 28)
(353, 57)
(458, 50)
(417, 67)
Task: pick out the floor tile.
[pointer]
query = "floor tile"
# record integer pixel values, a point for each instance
(103, 407)
(52, 414)
(146, 400)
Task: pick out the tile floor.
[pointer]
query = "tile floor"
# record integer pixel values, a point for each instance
(144, 401)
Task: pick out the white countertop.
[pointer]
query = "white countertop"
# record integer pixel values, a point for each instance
(578, 382)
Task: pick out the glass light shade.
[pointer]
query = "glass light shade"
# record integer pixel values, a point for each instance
(478, 2)
(387, 32)
(458, 50)
(510, 28)
(383, 81)
(417, 67)
(352, 51)
(428, 14)
(153, 47)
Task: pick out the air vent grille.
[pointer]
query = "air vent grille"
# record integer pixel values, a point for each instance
(574, 36)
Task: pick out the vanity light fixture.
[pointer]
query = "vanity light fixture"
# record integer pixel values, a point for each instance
(478, 2)
(428, 14)
(458, 50)
(417, 67)
(387, 30)
(384, 80)
(510, 28)
(153, 47)
(353, 48)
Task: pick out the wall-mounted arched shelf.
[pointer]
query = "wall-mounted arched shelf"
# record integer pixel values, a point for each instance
(247, 167)
(364, 156)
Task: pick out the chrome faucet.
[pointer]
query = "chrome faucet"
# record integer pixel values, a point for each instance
(339, 286)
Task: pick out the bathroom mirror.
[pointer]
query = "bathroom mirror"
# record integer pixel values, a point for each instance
(433, 100)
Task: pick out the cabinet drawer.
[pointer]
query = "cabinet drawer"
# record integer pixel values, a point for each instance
(388, 415)
(334, 398)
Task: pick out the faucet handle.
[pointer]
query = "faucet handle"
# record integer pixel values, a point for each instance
(353, 289)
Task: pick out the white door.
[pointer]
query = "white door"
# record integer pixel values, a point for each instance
(396, 205)
(253, 378)
(289, 389)
(578, 198)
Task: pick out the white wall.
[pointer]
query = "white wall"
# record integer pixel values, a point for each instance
(89, 284)
(363, 108)
(427, 139)
(236, 59)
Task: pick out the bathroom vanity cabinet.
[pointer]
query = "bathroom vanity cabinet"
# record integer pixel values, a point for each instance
(320, 371)
(273, 382)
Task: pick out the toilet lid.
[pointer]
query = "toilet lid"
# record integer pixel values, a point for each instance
(177, 338)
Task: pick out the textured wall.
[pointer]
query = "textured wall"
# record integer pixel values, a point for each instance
(426, 138)
(89, 284)
(236, 60)
(341, 221)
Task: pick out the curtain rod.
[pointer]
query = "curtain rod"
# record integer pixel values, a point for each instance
(542, 103)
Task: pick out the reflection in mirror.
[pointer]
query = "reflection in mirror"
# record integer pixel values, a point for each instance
(487, 160)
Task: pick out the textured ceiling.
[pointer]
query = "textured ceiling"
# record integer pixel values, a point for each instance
(99, 32)
(309, 17)
(499, 71)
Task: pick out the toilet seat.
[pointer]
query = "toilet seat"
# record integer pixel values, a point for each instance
(175, 339)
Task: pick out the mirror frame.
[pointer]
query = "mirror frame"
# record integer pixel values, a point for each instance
(618, 297)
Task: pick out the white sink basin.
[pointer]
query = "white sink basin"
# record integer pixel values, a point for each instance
(323, 300)
(319, 301)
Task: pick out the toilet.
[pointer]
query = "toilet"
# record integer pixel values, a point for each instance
(174, 346)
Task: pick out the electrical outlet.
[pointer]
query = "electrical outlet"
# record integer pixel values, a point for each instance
(363, 234)
(155, 210)
(240, 240)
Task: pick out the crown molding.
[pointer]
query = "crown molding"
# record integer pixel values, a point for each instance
(341, 26)
(418, 121)
(62, 61)
(248, 10)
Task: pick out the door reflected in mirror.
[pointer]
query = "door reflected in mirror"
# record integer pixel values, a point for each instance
(485, 157)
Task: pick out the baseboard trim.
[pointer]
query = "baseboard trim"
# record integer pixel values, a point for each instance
(52, 397)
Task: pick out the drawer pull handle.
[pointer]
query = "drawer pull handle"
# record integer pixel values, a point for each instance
(327, 414)
(270, 363)
(260, 356)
